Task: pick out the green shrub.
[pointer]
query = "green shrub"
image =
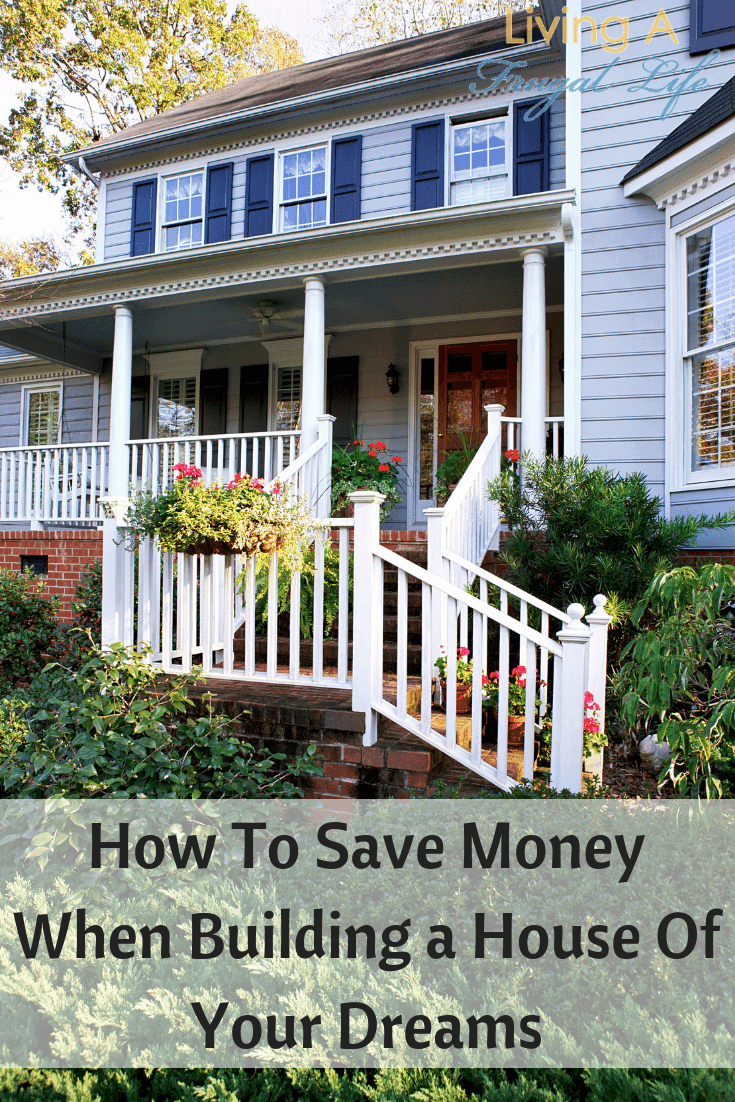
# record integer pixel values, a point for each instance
(678, 675)
(28, 627)
(577, 530)
(122, 731)
(87, 603)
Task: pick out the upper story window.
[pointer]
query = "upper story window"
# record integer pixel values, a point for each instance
(711, 25)
(304, 189)
(41, 416)
(711, 344)
(183, 212)
(478, 162)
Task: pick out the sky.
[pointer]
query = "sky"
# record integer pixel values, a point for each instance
(26, 212)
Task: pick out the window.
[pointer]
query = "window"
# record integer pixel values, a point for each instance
(711, 344)
(478, 170)
(304, 189)
(41, 416)
(182, 212)
(176, 408)
(711, 25)
(288, 398)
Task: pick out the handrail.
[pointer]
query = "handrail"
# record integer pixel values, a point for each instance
(508, 587)
(469, 476)
(56, 447)
(215, 436)
(468, 599)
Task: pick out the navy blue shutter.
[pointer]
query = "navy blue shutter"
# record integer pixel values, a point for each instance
(346, 178)
(427, 165)
(711, 25)
(219, 203)
(259, 197)
(143, 221)
(530, 150)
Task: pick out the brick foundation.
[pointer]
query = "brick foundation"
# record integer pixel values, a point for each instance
(702, 556)
(68, 551)
(288, 719)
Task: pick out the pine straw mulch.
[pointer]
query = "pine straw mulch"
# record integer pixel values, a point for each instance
(627, 778)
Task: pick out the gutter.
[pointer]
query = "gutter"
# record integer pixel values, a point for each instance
(383, 85)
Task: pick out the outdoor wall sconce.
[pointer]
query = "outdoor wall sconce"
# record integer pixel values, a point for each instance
(392, 377)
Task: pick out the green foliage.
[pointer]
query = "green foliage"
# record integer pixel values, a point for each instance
(577, 530)
(387, 1085)
(89, 69)
(306, 614)
(121, 731)
(456, 463)
(356, 469)
(28, 627)
(87, 603)
(678, 675)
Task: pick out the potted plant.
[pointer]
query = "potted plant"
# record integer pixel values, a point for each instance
(464, 680)
(243, 517)
(364, 467)
(516, 701)
(449, 473)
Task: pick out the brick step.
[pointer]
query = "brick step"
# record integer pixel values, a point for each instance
(413, 602)
(390, 628)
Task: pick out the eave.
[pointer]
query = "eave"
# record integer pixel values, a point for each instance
(664, 180)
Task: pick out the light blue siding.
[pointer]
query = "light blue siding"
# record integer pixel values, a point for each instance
(118, 212)
(76, 417)
(557, 140)
(9, 415)
(238, 199)
(386, 170)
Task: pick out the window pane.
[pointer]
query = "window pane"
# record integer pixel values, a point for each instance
(43, 418)
(177, 407)
(477, 149)
(426, 430)
(304, 175)
(288, 399)
(713, 410)
(711, 284)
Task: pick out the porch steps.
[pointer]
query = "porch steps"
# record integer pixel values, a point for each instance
(287, 719)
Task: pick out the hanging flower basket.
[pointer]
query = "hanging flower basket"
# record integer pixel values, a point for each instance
(243, 517)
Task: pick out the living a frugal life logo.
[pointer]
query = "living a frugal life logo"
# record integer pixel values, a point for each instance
(661, 75)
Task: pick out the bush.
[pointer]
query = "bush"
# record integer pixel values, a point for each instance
(122, 731)
(577, 530)
(678, 675)
(28, 627)
(87, 603)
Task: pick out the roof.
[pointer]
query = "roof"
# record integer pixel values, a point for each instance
(405, 56)
(717, 109)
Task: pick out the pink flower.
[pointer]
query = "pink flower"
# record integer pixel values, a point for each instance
(494, 676)
(462, 652)
(591, 725)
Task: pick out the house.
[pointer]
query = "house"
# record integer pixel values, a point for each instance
(500, 215)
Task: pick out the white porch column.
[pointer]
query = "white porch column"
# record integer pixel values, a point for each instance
(122, 370)
(533, 352)
(313, 382)
(117, 564)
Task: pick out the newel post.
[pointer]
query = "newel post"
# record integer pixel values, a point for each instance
(367, 635)
(599, 622)
(567, 722)
(322, 503)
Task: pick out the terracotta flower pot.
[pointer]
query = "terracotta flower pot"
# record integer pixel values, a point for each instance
(207, 547)
(516, 728)
(464, 698)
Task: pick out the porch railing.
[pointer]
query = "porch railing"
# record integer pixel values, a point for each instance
(56, 483)
(490, 634)
(262, 454)
(511, 435)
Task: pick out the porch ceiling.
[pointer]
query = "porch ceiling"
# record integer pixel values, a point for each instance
(456, 261)
(383, 301)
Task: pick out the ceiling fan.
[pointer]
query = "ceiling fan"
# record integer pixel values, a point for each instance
(268, 310)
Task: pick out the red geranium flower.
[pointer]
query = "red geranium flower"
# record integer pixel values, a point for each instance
(396, 459)
(513, 455)
(357, 441)
(373, 453)
(384, 467)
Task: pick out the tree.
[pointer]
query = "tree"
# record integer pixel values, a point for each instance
(93, 67)
(35, 256)
(357, 24)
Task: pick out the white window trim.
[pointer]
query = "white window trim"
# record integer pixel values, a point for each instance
(681, 476)
(279, 201)
(497, 116)
(43, 388)
(288, 352)
(173, 365)
(162, 225)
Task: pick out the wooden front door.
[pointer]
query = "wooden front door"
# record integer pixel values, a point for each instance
(472, 376)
